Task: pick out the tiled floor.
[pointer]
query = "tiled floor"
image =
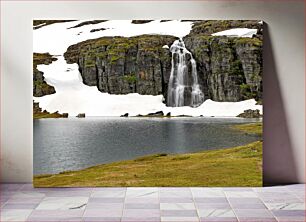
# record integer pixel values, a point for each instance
(21, 202)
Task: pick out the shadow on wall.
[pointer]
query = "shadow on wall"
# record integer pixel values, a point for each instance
(278, 160)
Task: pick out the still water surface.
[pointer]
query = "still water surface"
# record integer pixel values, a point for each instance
(71, 144)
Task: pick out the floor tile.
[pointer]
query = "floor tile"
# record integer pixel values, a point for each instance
(14, 214)
(28, 194)
(176, 189)
(142, 192)
(109, 193)
(20, 206)
(56, 213)
(240, 194)
(210, 200)
(79, 193)
(175, 194)
(105, 200)
(207, 192)
(3, 200)
(216, 213)
(141, 206)
(142, 213)
(268, 204)
(103, 213)
(246, 200)
(253, 213)
(218, 219)
(289, 213)
(55, 219)
(139, 219)
(291, 219)
(178, 213)
(94, 189)
(179, 219)
(237, 189)
(63, 203)
(296, 187)
(248, 206)
(24, 200)
(142, 200)
(285, 206)
(91, 205)
(213, 205)
(101, 219)
(254, 219)
(278, 189)
(176, 200)
(10, 187)
(177, 206)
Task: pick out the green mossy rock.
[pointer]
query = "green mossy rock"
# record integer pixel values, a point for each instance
(229, 68)
(40, 87)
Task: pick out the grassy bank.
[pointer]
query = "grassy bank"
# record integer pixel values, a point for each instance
(239, 166)
(47, 115)
(250, 128)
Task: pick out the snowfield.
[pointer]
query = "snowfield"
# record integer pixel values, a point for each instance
(56, 38)
(74, 97)
(237, 32)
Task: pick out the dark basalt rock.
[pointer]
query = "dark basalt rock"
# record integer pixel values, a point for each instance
(249, 113)
(184, 116)
(81, 115)
(96, 30)
(91, 22)
(229, 69)
(41, 23)
(120, 65)
(141, 21)
(40, 87)
(65, 115)
(158, 113)
(125, 115)
(168, 114)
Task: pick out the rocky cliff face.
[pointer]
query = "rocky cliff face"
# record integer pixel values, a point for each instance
(229, 69)
(119, 65)
(40, 87)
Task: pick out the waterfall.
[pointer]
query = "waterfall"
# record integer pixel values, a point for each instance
(183, 87)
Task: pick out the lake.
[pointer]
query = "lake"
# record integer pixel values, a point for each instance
(72, 143)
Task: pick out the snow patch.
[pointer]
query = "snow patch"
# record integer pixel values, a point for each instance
(56, 38)
(74, 97)
(237, 32)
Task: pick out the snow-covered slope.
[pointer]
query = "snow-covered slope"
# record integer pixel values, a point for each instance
(56, 38)
(237, 32)
(73, 97)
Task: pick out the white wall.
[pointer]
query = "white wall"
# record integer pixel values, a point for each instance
(284, 74)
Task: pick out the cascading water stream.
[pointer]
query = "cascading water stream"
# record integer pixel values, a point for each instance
(183, 87)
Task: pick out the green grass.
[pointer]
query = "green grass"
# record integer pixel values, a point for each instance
(238, 166)
(251, 128)
(46, 115)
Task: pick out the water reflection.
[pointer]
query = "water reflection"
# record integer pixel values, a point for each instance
(69, 144)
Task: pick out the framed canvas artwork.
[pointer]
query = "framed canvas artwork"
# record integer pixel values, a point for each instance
(172, 103)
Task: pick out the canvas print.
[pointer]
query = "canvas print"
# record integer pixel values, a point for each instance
(147, 103)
